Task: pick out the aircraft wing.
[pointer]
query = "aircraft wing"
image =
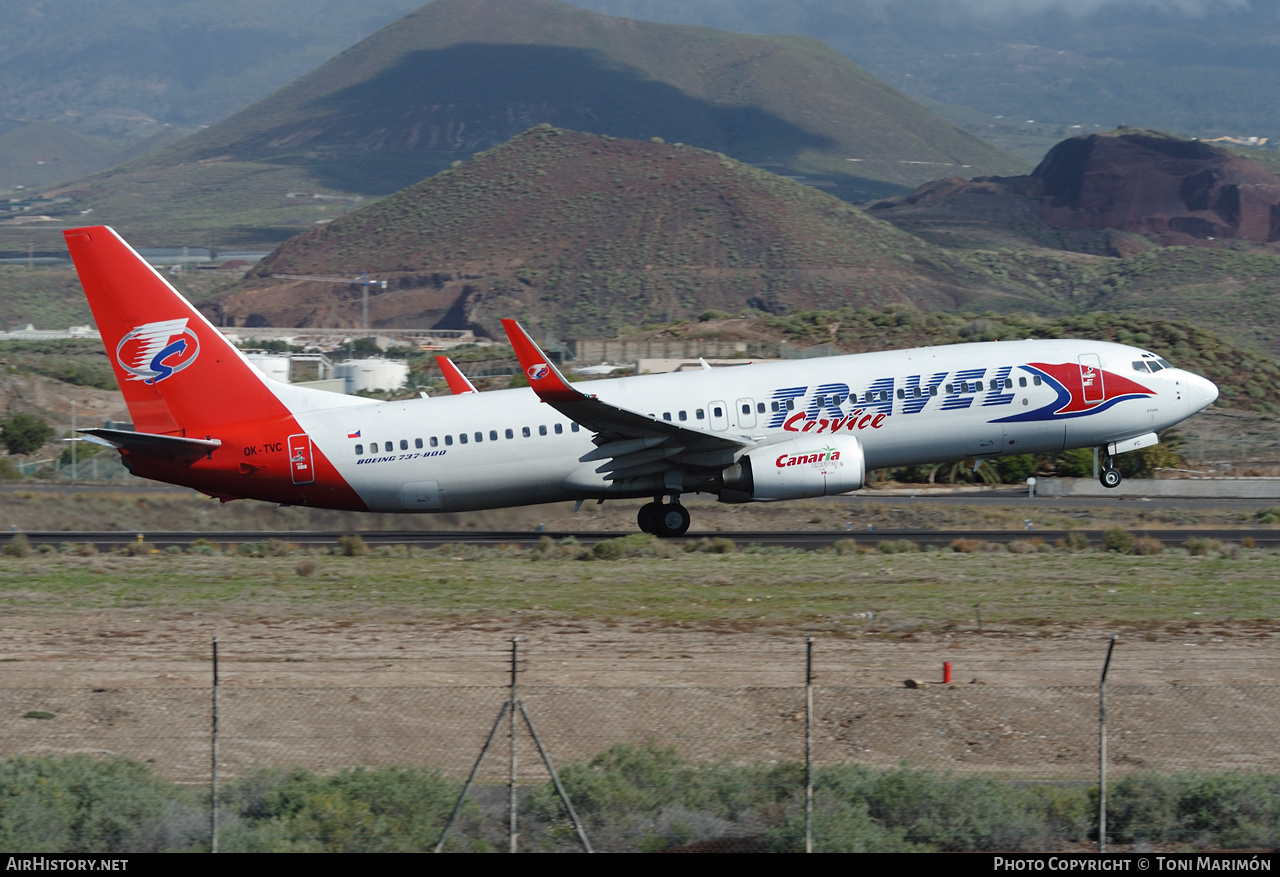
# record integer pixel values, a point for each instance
(458, 383)
(173, 447)
(634, 443)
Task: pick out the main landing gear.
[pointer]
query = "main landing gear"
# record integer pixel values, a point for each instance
(1109, 476)
(663, 519)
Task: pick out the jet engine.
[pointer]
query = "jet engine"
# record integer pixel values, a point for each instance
(802, 467)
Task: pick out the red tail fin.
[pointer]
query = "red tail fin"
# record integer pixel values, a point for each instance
(458, 383)
(178, 373)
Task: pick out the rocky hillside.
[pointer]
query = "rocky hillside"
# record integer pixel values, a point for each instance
(1170, 191)
(584, 234)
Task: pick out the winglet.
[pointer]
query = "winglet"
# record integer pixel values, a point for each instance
(458, 383)
(543, 376)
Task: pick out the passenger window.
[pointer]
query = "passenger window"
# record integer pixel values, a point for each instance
(994, 385)
(1035, 379)
(950, 388)
(902, 394)
(462, 438)
(759, 408)
(390, 447)
(359, 450)
(510, 434)
(933, 391)
(542, 430)
(1022, 382)
(493, 435)
(683, 415)
(717, 411)
(559, 429)
(773, 406)
(666, 415)
(417, 443)
(435, 442)
(448, 440)
(700, 414)
(525, 432)
(479, 436)
(822, 403)
(1008, 384)
(404, 444)
(573, 427)
(746, 409)
(791, 404)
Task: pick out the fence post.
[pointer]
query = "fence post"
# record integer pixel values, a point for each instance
(512, 833)
(808, 744)
(213, 758)
(1102, 750)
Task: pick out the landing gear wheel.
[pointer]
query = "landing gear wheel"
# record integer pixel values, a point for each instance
(647, 517)
(672, 520)
(1110, 477)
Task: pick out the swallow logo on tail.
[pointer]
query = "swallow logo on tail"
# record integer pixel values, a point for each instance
(156, 351)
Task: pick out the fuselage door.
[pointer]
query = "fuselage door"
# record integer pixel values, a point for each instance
(719, 416)
(746, 414)
(300, 459)
(1091, 378)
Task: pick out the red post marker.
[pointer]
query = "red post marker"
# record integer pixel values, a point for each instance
(946, 672)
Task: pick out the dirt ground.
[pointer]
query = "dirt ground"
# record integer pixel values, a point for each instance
(326, 693)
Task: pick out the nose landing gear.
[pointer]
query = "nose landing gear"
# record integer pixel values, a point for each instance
(663, 519)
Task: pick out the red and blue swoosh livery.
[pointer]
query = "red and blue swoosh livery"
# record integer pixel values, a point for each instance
(1082, 390)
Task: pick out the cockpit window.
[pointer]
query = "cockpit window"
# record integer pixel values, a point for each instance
(1140, 366)
(1163, 363)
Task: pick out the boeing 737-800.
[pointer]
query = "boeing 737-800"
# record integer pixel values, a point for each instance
(205, 418)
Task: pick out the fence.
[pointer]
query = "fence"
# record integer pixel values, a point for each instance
(667, 764)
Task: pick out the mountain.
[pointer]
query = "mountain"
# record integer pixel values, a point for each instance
(42, 153)
(122, 69)
(583, 234)
(461, 76)
(1023, 75)
(1173, 192)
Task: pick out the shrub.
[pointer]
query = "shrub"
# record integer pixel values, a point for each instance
(203, 546)
(307, 567)
(352, 545)
(973, 546)
(18, 545)
(1074, 541)
(1145, 545)
(1117, 539)
(77, 804)
(897, 546)
(1200, 547)
(361, 810)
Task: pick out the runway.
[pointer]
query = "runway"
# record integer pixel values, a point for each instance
(811, 540)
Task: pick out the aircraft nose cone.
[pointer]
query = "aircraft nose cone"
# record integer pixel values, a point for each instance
(1201, 392)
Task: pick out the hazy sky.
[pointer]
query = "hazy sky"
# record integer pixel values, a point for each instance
(1083, 7)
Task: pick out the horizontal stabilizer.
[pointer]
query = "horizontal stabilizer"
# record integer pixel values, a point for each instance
(171, 447)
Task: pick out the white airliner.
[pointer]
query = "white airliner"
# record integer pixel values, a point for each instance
(207, 419)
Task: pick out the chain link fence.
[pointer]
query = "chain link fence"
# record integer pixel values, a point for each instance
(381, 765)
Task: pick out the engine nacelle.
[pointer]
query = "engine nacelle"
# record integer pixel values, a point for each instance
(803, 467)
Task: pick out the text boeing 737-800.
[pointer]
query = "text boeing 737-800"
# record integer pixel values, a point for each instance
(205, 418)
